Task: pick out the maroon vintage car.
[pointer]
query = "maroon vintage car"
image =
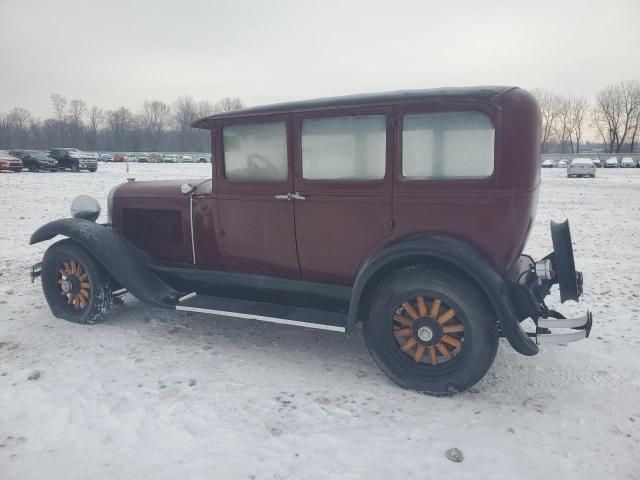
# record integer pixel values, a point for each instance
(406, 212)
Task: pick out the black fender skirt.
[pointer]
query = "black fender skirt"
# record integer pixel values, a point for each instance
(450, 250)
(125, 262)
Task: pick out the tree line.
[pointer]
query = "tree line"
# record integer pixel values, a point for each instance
(613, 116)
(156, 126)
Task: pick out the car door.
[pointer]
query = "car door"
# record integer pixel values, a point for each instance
(254, 179)
(343, 206)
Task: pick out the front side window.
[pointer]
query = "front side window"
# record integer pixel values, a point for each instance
(447, 145)
(344, 148)
(255, 151)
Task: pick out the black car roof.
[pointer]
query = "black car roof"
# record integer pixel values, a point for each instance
(448, 93)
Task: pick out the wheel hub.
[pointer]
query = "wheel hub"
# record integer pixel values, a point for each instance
(425, 334)
(425, 329)
(66, 286)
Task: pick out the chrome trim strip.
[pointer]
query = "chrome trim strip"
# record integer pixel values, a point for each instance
(193, 240)
(187, 296)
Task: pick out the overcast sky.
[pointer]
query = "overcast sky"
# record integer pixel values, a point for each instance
(113, 53)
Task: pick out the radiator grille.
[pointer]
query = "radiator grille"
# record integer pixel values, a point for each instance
(145, 226)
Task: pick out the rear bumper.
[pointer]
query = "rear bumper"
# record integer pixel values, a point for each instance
(530, 282)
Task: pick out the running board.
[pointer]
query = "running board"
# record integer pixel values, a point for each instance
(265, 312)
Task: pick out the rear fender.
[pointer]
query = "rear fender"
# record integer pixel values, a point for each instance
(126, 263)
(426, 249)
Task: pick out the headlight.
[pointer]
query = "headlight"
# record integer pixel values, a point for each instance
(86, 207)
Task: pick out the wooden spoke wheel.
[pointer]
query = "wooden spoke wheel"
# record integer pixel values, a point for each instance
(426, 330)
(431, 331)
(74, 284)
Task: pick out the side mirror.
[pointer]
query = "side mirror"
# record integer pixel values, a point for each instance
(187, 189)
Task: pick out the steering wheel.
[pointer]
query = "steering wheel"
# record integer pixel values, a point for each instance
(258, 162)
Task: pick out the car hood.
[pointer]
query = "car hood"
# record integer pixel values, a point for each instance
(162, 188)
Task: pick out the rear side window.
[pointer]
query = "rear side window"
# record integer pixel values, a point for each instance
(344, 148)
(255, 152)
(447, 145)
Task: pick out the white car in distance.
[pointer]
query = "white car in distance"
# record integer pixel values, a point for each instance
(627, 162)
(581, 167)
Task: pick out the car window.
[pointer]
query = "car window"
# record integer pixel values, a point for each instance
(256, 151)
(344, 148)
(447, 145)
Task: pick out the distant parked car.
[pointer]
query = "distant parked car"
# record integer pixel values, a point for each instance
(118, 157)
(74, 159)
(548, 163)
(581, 167)
(187, 159)
(562, 164)
(203, 159)
(597, 162)
(9, 162)
(105, 157)
(143, 158)
(169, 159)
(155, 158)
(611, 162)
(35, 161)
(627, 162)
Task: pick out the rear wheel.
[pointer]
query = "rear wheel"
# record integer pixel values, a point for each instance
(75, 168)
(33, 167)
(76, 287)
(431, 331)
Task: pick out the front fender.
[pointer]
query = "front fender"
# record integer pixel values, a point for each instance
(126, 263)
(420, 249)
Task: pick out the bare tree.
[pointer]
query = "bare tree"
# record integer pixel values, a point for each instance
(18, 120)
(563, 126)
(578, 107)
(228, 104)
(549, 109)
(154, 118)
(205, 108)
(185, 113)
(617, 112)
(119, 122)
(96, 117)
(59, 106)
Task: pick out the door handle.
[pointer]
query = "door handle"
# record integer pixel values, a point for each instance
(298, 196)
(284, 196)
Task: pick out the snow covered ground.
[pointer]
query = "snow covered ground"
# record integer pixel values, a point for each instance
(153, 394)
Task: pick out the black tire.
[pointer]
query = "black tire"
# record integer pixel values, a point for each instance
(75, 168)
(32, 167)
(53, 265)
(479, 341)
(93, 169)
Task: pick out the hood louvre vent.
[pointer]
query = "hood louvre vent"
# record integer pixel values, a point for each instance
(146, 227)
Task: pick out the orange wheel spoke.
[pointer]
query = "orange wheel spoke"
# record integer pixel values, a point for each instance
(410, 310)
(452, 329)
(74, 265)
(419, 353)
(405, 332)
(403, 320)
(70, 298)
(85, 293)
(422, 306)
(444, 351)
(446, 316)
(83, 277)
(79, 270)
(435, 308)
(86, 285)
(452, 341)
(76, 302)
(433, 356)
(67, 267)
(409, 344)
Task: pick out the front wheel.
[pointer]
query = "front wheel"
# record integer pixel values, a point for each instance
(75, 168)
(431, 331)
(77, 288)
